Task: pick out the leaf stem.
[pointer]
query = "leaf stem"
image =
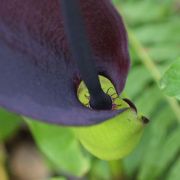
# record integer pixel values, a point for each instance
(117, 169)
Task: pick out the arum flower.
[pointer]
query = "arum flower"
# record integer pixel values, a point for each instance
(48, 47)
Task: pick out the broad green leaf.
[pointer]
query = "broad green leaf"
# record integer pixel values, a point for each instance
(170, 83)
(61, 147)
(9, 123)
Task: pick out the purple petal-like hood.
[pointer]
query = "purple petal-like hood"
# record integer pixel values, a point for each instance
(38, 77)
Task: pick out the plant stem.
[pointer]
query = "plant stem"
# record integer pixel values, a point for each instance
(3, 174)
(117, 169)
(151, 66)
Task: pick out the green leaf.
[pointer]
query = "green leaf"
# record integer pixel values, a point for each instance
(169, 151)
(160, 152)
(9, 123)
(174, 172)
(164, 52)
(61, 147)
(136, 13)
(143, 77)
(159, 33)
(153, 134)
(149, 98)
(155, 25)
(170, 83)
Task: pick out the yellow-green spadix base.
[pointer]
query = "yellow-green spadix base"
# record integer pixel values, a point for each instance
(114, 138)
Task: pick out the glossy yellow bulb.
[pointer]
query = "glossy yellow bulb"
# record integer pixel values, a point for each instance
(116, 137)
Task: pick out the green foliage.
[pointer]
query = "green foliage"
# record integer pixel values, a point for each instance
(174, 172)
(61, 147)
(154, 40)
(100, 170)
(170, 83)
(58, 178)
(9, 123)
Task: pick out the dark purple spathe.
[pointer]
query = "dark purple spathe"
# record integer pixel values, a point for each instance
(38, 76)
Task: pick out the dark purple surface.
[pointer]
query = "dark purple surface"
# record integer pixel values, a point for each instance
(38, 77)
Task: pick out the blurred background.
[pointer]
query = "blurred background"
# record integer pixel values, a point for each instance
(35, 151)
